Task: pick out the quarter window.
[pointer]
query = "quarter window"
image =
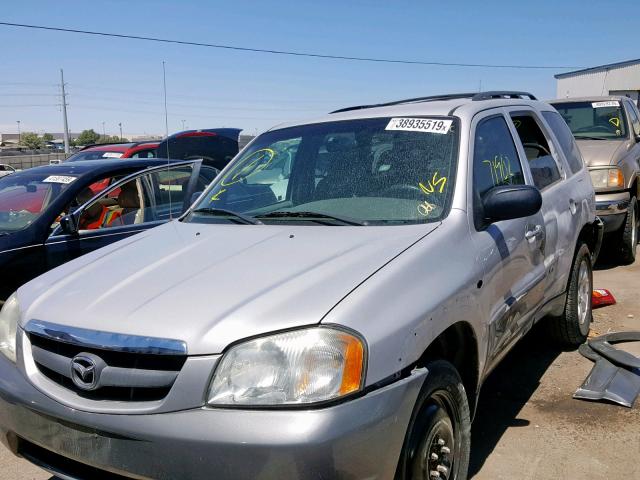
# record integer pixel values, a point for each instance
(565, 139)
(544, 169)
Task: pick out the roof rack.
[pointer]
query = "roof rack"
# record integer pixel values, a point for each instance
(452, 96)
(501, 94)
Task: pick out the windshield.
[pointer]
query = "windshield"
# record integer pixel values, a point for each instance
(373, 172)
(24, 197)
(94, 155)
(588, 120)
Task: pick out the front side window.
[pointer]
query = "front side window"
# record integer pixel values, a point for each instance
(154, 196)
(373, 172)
(495, 158)
(602, 120)
(565, 139)
(635, 121)
(544, 169)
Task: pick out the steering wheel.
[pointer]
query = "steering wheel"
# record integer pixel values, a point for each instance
(538, 147)
(403, 190)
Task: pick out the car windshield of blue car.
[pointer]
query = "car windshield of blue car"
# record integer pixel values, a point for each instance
(378, 171)
(25, 196)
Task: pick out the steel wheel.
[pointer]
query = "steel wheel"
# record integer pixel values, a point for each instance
(438, 438)
(437, 453)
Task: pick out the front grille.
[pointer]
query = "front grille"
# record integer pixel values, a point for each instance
(124, 376)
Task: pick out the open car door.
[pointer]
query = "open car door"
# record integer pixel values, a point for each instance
(132, 205)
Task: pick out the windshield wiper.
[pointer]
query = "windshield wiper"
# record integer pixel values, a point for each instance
(221, 212)
(312, 215)
(587, 137)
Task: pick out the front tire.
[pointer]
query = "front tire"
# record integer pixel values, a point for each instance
(438, 440)
(629, 238)
(572, 328)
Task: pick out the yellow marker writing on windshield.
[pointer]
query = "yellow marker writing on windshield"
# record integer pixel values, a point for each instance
(216, 196)
(615, 122)
(425, 208)
(433, 183)
(245, 168)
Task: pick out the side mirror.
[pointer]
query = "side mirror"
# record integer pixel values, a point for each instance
(69, 224)
(511, 201)
(637, 138)
(195, 196)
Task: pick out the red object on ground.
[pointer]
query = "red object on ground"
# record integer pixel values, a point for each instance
(602, 298)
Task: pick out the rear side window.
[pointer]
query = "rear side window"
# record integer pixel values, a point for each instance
(495, 159)
(544, 169)
(566, 140)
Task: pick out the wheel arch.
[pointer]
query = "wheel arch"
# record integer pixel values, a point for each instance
(458, 345)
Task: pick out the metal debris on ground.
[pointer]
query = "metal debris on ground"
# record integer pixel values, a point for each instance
(616, 374)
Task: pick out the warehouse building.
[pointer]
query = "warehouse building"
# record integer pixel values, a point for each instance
(622, 78)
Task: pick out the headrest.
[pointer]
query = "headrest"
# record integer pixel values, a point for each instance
(128, 197)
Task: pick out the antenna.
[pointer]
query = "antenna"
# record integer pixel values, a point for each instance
(166, 130)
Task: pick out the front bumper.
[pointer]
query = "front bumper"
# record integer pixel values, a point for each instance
(360, 438)
(612, 209)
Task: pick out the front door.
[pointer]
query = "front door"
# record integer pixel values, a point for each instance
(135, 204)
(511, 251)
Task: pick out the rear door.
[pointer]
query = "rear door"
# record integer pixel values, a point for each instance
(511, 251)
(560, 204)
(134, 204)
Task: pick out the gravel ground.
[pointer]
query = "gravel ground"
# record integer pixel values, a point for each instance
(527, 425)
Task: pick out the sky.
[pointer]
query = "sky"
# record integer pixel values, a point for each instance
(120, 81)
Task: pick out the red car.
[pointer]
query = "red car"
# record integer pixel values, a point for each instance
(116, 150)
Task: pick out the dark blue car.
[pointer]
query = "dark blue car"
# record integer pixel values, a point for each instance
(52, 214)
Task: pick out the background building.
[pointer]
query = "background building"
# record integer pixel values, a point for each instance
(622, 78)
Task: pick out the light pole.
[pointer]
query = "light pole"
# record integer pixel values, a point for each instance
(18, 122)
(183, 124)
(103, 131)
(120, 125)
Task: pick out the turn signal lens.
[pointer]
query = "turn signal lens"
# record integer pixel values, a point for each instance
(616, 178)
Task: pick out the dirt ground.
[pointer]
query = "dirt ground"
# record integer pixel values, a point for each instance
(527, 425)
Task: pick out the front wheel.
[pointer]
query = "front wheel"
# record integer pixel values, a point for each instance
(629, 239)
(438, 439)
(572, 328)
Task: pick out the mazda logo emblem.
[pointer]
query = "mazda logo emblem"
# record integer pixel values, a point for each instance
(85, 371)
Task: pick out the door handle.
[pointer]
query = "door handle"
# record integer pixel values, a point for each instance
(533, 233)
(573, 206)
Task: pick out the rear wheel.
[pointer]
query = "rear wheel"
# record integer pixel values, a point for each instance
(572, 328)
(629, 239)
(438, 440)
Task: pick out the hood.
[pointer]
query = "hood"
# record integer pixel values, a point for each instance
(211, 285)
(601, 153)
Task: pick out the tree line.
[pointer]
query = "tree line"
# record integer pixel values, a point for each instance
(33, 141)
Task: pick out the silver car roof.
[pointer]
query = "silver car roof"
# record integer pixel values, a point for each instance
(464, 109)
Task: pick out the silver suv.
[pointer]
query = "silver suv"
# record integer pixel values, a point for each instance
(607, 130)
(328, 308)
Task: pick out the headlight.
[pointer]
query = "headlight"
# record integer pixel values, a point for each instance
(607, 178)
(9, 316)
(296, 367)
